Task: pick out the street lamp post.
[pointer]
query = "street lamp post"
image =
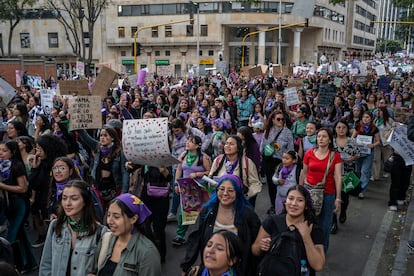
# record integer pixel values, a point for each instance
(279, 49)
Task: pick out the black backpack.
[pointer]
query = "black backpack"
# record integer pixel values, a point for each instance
(285, 253)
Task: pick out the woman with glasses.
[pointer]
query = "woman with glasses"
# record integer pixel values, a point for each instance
(349, 152)
(277, 139)
(63, 171)
(229, 210)
(48, 148)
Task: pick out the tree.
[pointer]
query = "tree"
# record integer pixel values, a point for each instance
(388, 45)
(12, 11)
(74, 15)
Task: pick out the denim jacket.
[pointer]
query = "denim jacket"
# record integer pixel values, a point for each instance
(56, 252)
(118, 171)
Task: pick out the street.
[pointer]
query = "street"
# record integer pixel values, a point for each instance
(356, 249)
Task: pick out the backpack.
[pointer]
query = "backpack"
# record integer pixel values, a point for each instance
(285, 253)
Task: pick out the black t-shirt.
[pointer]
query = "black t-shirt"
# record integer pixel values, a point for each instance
(269, 225)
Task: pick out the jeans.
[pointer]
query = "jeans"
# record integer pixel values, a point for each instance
(17, 213)
(325, 218)
(364, 167)
(175, 197)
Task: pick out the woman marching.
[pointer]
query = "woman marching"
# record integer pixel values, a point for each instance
(322, 170)
(72, 238)
(349, 152)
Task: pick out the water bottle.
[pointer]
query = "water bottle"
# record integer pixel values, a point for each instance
(304, 271)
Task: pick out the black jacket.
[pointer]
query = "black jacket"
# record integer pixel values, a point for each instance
(247, 230)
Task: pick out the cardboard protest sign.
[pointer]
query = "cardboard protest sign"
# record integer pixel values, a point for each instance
(46, 98)
(291, 96)
(402, 145)
(192, 196)
(326, 94)
(297, 83)
(145, 142)
(282, 72)
(361, 79)
(255, 72)
(73, 87)
(103, 82)
(6, 91)
(85, 112)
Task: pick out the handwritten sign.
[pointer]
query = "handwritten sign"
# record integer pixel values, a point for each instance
(46, 98)
(6, 90)
(362, 142)
(85, 112)
(192, 198)
(291, 96)
(402, 145)
(255, 72)
(103, 82)
(73, 87)
(326, 95)
(380, 69)
(361, 79)
(145, 142)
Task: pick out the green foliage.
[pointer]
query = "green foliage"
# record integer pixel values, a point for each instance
(392, 46)
(403, 3)
(337, 1)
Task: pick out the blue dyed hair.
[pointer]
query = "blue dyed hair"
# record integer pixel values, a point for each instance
(239, 204)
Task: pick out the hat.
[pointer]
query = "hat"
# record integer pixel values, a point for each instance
(351, 97)
(222, 124)
(136, 206)
(220, 99)
(114, 123)
(258, 125)
(233, 178)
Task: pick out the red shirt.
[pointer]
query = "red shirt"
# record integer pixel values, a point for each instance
(317, 168)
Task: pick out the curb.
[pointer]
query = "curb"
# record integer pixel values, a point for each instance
(401, 258)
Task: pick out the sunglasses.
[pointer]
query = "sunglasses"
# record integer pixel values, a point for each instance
(280, 119)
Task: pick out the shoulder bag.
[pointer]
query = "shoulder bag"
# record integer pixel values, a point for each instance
(317, 191)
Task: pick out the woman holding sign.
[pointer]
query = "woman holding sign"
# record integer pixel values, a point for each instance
(367, 137)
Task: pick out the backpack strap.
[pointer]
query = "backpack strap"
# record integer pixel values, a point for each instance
(104, 248)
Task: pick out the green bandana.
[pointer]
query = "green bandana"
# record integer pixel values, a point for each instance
(190, 158)
(76, 226)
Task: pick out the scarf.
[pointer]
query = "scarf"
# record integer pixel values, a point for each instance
(286, 171)
(380, 121)
(367, 128)
(58, 134)
(5, 169)
(190, 158)
(179, 136)
(76, 226)
(231, 166)
(230, 272)
(312, 139)
(106, 150)
(59, 188)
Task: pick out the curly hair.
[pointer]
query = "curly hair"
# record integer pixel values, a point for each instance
(52, 146)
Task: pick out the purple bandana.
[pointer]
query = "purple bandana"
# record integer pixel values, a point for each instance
(136, 206)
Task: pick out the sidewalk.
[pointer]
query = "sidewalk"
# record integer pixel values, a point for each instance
(404, 262)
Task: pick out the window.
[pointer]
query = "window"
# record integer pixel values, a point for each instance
(123, 53)
(133, 30)
(157, 53)
(200, 53)
(204, 30)
(121, 32)
(168, 31)
(167, 53)
(190, 30)
(86, 39)
(53, 40)
(154, 31)
(25, 40)
(210, 52)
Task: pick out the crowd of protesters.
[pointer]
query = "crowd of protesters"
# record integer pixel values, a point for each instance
(236, 129)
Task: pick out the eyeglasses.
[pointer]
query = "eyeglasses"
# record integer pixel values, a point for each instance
(58, 168)
(280, 119)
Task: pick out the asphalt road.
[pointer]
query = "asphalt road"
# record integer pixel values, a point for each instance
(357, 248)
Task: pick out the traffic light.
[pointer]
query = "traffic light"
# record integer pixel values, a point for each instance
(138, 49)
(190, 7)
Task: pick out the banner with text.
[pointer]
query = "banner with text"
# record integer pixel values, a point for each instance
(402, 145)
(145, 142)
(46, 98)
(291, 96)
(85, 112)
